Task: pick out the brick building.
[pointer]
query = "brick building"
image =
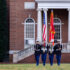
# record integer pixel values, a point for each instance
(26, 19)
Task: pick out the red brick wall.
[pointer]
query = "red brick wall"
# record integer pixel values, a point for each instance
(18, 15)
(11, 58)
(13, 24)
(31, 59)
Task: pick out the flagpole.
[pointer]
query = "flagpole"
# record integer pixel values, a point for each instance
(45, 11)
(52, 30)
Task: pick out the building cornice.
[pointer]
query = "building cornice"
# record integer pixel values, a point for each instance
(53, 1)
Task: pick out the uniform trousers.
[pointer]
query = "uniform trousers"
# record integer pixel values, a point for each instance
(43, 57)
(37, 56)
(58, 57)
(51, 57)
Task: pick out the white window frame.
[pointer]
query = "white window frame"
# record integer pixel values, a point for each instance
(25, 23)
(60, 29)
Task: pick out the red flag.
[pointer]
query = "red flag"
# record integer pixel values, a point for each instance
(52, 30)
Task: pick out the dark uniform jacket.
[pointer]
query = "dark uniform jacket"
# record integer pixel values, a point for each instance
(37, 49)
(57, 50)
(44, 50)
(50, 50)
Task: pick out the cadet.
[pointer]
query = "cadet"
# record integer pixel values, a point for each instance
(51, 54)
(44, 53)
(37, 49)
(57, 50)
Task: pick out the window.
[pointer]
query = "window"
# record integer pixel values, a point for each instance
(29, 20)
(29, 32)
(57, 25)
(57, 30)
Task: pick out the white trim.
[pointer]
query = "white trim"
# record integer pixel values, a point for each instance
(60, 32)
(36, 23)
(28, 23)
(58, 19)
(39, 25)
(29, 38)
(60, 29)
(69, 25)
(54, 5)
(25, 31)
(13, 51)
(57, 23)
(29, 18)
(53, 0)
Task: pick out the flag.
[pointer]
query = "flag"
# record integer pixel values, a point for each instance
(52, 30)
(44, 28)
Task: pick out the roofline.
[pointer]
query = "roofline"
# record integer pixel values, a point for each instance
(64, 1)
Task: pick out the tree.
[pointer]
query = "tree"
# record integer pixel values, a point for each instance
(4, 30)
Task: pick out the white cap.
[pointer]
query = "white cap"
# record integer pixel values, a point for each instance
(37, 40)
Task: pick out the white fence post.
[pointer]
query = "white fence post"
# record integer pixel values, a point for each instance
(15, 58)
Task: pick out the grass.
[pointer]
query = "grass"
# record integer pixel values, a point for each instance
(33, 67)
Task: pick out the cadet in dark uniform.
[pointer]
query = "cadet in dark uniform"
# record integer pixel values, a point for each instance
(37, 49)
(57, 51)
(51, 54)
(44, 53)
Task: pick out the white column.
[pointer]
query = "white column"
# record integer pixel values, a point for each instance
(69, 25)
(39, 26)
(45, 11)
(68, 45)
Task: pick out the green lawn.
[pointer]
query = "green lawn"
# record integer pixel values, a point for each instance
(33, 67)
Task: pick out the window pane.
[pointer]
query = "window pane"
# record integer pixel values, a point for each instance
(56, 20)
(29, 30)
(57, 32)
(29, 20)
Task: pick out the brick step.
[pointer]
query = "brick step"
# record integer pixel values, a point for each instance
(31, 59)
